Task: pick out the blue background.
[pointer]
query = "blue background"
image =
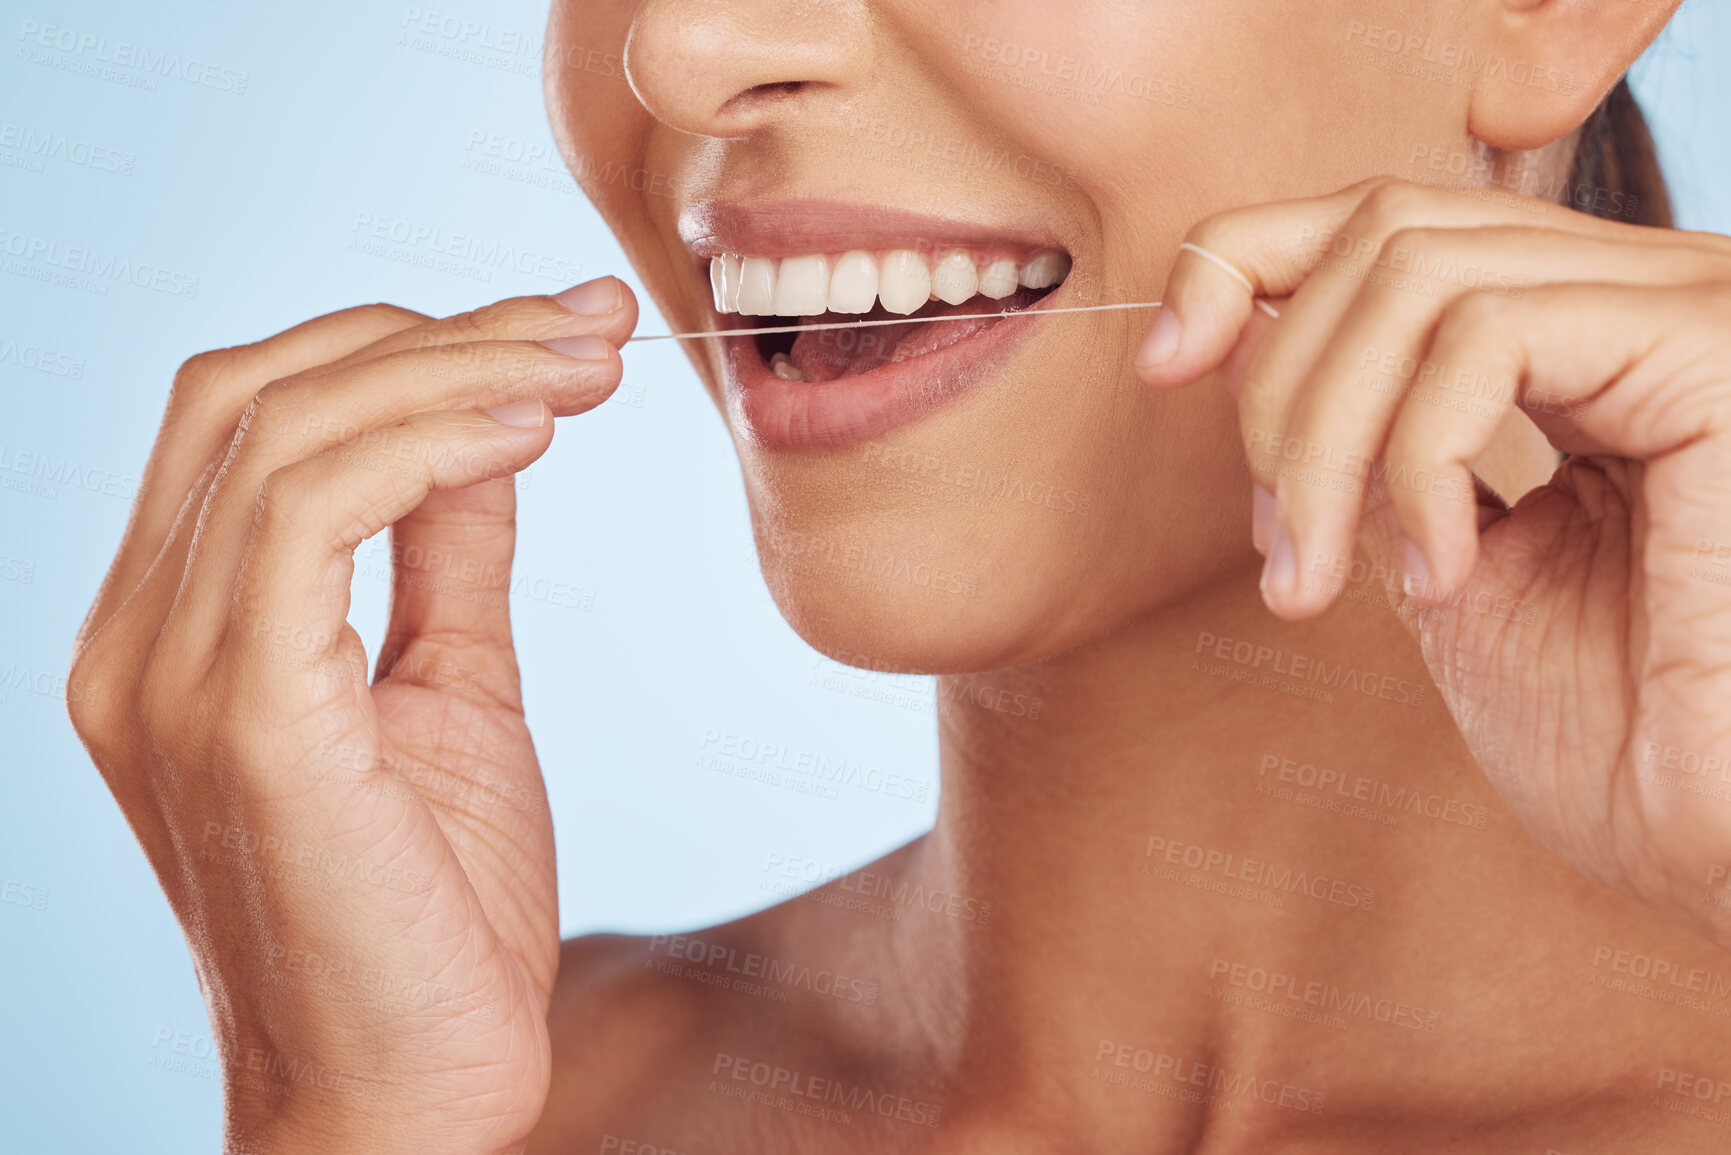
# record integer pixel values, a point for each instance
(348, 117)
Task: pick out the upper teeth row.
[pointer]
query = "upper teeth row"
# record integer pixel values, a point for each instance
(852, 282)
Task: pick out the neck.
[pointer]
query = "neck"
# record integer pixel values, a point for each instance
(1218, 852)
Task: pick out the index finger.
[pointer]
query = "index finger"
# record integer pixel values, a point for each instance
(208, 396)
(605, 307)
(1273, 248)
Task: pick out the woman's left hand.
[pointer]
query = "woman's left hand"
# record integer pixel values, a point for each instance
(1583, 639)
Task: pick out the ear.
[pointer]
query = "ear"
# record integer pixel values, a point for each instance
(1548, 64)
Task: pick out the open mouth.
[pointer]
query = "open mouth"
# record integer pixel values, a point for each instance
(946, 281)
(913, 286)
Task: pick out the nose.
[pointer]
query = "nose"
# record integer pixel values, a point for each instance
(727, 68)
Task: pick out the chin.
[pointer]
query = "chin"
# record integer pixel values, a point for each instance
(893, 571)
(858, 600)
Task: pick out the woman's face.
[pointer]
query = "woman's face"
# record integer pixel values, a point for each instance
(944, 497)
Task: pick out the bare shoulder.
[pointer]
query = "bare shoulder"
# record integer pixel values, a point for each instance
(616, 1023)
(610, 995)
(637, 1023)
(651, 1033)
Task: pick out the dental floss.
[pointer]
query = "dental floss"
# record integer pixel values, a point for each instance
(1030, 312)
(1232, 270)
(894, 321)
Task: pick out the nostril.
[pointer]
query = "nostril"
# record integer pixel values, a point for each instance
(762, 95)
(725, 68)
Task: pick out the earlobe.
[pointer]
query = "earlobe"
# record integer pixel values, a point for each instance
(1548, 63)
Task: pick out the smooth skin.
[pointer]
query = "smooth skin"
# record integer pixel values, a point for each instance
(1616, 342)
(232, 705)
(1542, 719)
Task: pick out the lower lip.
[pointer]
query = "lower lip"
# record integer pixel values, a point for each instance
(778, 414)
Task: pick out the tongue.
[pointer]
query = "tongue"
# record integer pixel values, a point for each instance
(832, 353)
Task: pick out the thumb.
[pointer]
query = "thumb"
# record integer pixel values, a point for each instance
(450, 620)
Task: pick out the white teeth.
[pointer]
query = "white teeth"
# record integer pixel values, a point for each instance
(904, 282)
(954, 280)
(1046, 267)
(802, 287)
(784, 368)
(806, 286)
(729, 282)
(757, 287)
(853, 287)
(718, 282)
(724, 282)
(999, 279)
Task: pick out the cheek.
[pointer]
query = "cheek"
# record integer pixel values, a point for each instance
(597, 121)
(1072, 83)
(610, 144)
(1160, 111)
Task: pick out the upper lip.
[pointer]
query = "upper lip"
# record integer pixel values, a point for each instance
(789, 228)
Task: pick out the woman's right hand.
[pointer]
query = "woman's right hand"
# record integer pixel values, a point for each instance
(364, 872)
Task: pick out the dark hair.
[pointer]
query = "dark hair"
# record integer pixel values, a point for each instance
(1616, 172)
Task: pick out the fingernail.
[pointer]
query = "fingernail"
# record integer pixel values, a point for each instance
(530, 414)
(593, 298)
(1161, 343)
(1280, 571)
(1262, 519)
(587, 347)
(1417, 582)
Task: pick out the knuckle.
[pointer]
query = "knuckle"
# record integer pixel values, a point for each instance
(386, 316)
(1371, 184)
(516, 318)
(273, 396)
(93, 703)
(282, 501)
(1473, 312)
(271, 414)
(1212, 233)
(481, 324)
(205, 372)
(1388, 208)
(1414, 238)
(295, 504)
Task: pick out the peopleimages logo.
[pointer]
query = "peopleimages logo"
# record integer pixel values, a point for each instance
(1231, 1086)
(373, 233)
(1337, 676)
(1461, 60)
(85, 51)
(743, 750)
(40, 145)
(41, 359)
(1259, 873)
(776, 1080)
(768, 968)
(1089, 77)
(1327, 996)
(235, 844)
(1358, 788)
(101, 268)
(1671, 972)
